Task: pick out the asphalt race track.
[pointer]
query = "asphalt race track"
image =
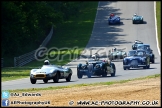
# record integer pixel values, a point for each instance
(105, 37)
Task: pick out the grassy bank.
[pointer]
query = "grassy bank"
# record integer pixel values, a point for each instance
(81, 85)
(73, 36)
(158, 17)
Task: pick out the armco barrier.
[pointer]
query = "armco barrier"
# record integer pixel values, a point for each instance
(28, 57)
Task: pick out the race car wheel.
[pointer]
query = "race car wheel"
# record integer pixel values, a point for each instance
(124, 68)
(45, 80)
(153, 60)
(144, 67)
(114, 69)
(56, 78)
(33, 81)
(79, 75)
(68, 78)
(142, 21)
(104, 73)
(148, 66)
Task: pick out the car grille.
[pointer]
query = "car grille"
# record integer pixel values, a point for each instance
(40, 76)
(134, 62)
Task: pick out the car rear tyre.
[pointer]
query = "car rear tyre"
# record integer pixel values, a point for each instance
(56, 78)
(148, 66)
(33, 81)
(114, 69)
(68, 78)
(45, 80)
(104, 73)
(132, 22)
(144, 67)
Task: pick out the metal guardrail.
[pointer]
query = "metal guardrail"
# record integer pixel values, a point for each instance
(28, 57)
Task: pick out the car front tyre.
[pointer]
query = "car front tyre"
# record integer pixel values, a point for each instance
(33, 81)
(153, 60)
(56, 78)
(79, 75)
(124, 68)
(68, 78)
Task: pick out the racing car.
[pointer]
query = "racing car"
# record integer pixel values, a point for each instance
(136, 19)
(136, 59)
(116, 54)
(113, 19)
(95, 67)
(148, 50)
(136, 42)
(48, 72)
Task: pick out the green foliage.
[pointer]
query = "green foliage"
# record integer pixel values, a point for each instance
(72, 33)
(158, 17)
(26, 24)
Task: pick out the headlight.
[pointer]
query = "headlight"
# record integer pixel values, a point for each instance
(125, 60)
(97, 66)
(32, 71)
(143, 59)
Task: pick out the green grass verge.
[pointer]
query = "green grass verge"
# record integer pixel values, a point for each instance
(73, 34)
(158, 17)
(82, 85)
(14, 73)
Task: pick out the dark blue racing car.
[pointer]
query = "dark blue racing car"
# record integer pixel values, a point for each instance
(113, 19)
(96, 68)
(136, 59)
(148, 50)
(136, 43)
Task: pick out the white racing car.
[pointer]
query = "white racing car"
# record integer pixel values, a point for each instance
(48, 72)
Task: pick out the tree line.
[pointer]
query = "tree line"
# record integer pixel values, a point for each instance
(26, 24)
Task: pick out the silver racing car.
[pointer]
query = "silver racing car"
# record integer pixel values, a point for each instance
(48, 72)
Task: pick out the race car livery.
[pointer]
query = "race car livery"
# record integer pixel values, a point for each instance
(48, 72)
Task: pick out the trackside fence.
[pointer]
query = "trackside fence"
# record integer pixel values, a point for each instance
(28, 57)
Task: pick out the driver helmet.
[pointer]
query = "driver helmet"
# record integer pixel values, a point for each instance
(94, 57)
(114, 49)
(135, 14)
(111, 14)
(46, 62)
(86, 62)
(107, 62)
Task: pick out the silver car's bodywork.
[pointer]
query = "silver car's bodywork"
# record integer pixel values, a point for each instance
(136, 19)
(116, 55)
(47, 72)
